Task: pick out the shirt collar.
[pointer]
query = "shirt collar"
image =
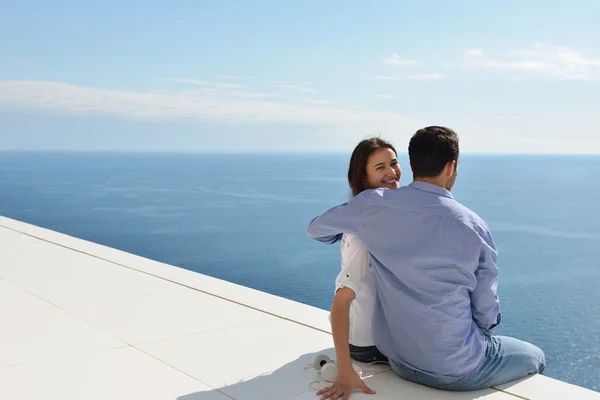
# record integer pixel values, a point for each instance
(428, 187)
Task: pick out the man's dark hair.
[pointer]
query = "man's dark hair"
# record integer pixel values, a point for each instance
(430, 149)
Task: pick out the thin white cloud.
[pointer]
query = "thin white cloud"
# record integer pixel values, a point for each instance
(295, 87)
(387, 96)
(474, 53)
(255, 95)
(415, 77)
(208, 91)
(189, 92)
(313, 101)
(25, 64)
(556, 62)
(395, 59)
(230, 77)
(389, 78)
(227, 85)
(67, 99)
(183, 81)
(577, 77)
(198, 82)
(261, 95)
(428, 77)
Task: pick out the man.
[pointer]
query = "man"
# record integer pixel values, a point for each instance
(435, 269)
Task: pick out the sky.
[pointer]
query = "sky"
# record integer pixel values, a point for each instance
(288, 76)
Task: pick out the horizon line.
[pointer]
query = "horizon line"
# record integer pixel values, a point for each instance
(256, 152)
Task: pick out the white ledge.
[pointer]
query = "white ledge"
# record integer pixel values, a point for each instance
(79, 320)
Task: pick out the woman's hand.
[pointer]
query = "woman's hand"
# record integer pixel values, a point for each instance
(347, 379)
(343, 386)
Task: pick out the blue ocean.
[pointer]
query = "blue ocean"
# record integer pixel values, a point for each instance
(242, 218)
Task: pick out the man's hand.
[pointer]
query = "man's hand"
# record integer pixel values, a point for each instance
(343, 386)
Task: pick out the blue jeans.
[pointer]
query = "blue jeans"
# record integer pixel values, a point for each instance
(506, 359)
(367, 355)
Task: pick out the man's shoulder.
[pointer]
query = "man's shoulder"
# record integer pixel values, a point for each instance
(366, 196)
(378, 196)
(465, 215)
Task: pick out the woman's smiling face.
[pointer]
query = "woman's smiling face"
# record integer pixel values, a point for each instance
(383, 170)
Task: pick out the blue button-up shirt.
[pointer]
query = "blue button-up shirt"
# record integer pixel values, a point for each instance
(435, 267)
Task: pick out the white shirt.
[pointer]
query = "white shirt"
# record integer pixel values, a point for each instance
(357, 274)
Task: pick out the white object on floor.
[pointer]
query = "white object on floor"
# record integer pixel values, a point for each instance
(328, 368)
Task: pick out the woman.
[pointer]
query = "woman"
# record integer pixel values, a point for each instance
(373, 164)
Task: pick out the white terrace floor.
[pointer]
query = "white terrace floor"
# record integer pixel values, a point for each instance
(80, 321)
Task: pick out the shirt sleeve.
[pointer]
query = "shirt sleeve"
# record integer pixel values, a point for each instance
(485, 304)
(329, 226)
(355, 261)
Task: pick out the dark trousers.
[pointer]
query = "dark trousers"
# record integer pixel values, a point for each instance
(370, 354)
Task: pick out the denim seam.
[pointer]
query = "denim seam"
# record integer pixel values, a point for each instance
(521, 355)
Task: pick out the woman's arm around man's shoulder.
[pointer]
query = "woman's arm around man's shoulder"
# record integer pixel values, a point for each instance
(345, 218)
